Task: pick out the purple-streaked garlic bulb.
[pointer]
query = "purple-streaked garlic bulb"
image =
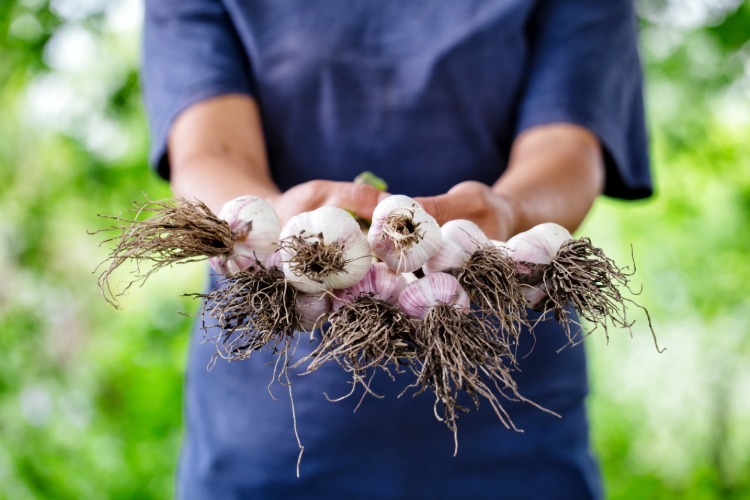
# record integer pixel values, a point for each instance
(255, 229)
(324, 250)
(403, 234)
(379, 283)
(273, 260)
(434, 289)
(313, 310)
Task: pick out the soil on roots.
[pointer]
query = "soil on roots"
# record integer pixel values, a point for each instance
(489, 277)
(401, 229)
(459, 352)
(583, 277)
(179, 231)
(254, 309)
(364, 336)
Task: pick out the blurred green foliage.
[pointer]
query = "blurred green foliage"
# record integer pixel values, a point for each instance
(90, 398)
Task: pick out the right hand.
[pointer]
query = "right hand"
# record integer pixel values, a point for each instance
(357, 198)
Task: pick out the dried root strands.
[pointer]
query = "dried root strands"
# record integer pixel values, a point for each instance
(181, 231)
(367, 331)
(563, 272)
(254, 308)
(364, 336)
(485, 271)
(459, 351)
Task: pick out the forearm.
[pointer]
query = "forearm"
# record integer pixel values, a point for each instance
(217, 152)
(554, 175)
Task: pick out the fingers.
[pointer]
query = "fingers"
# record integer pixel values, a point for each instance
(358, 198)
(441, 207)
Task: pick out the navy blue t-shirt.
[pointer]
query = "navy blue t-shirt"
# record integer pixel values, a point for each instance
(426, 93)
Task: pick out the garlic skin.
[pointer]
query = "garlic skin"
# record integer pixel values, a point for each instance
(535, 296)
(409, 277)
(403, 234)
(433, 289)
(538, 245)
(313, 310)
(256, 228)
(379, 283)
(461, 238)
(323, 250)
(273, 260)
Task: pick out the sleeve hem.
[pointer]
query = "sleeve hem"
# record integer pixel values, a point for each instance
(620, 182)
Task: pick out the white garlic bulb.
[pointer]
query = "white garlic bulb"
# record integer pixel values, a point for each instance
(403, 234)
(538, 245)
(256, 229)
(379, 283)
(323, 250)
(461, 238)
(433, 289)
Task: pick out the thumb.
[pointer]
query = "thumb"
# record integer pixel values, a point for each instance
(440, 206)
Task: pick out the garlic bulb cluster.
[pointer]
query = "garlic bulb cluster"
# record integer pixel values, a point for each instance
(255, 229)
(446, 303)
(403, 234)
(324, 249)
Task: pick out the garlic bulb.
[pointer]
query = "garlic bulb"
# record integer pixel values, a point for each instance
(433, 289)
(324, 249)
(461, 238)
(402, 234)
(379, 283)
(538, 245)
(313, 310)
(255, 227)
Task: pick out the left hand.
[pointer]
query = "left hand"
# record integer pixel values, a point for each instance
(477, 202)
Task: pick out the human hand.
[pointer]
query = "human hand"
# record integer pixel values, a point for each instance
(360, 199)
(477, 202)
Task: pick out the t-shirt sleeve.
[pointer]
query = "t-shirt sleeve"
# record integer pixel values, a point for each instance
(585, 69)
(191, 52)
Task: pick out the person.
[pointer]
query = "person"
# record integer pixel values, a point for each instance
(505, 112)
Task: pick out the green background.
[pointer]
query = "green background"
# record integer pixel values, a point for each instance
(90, 397)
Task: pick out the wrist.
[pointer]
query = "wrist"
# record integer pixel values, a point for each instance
(514, 212)
(216, 182)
